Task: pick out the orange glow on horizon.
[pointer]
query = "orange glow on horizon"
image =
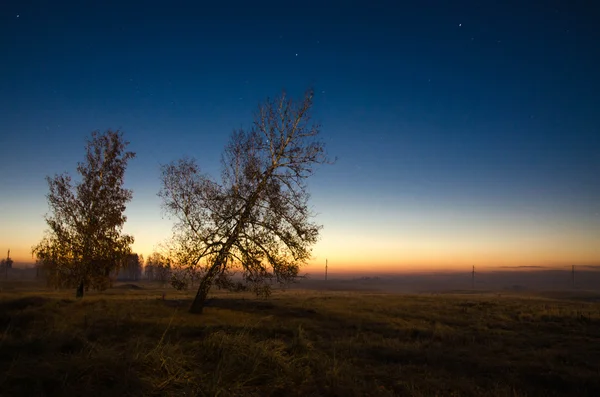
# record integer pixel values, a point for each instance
(432, 242)
(434, 262)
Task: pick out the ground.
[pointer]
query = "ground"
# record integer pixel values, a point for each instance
(128, 341)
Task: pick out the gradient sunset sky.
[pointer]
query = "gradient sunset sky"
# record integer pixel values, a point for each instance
(467, 133)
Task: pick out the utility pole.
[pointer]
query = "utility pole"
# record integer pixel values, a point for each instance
(7, 264)
(325, 269)
(573, 276)
(473, 278)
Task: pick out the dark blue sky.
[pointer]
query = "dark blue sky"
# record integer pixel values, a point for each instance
(475, 107)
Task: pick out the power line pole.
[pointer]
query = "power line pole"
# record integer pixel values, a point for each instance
(473, 278)
(325, 269)
(573, 276)
(7, 264)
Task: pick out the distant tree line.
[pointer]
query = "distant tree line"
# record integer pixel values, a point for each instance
(156, 267)
(132, 268)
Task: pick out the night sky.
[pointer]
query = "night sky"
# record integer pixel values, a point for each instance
(467, 133)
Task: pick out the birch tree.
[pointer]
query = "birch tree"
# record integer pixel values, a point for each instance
(85, 243)
(255, 220)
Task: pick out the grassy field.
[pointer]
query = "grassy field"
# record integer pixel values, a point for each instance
(128, 342)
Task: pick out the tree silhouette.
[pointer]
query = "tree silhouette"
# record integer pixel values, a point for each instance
(84, 243)
(132, 268)
(256, 220)
(158, 267)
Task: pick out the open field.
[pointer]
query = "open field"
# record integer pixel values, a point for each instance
(128, 342)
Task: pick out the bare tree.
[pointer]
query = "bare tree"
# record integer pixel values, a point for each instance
(149, 271)
(85, 243)
(256, 220)
(40, 270)
(158, 267)
(131, 269)
(140, 270)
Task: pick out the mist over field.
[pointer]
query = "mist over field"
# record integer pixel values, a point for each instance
(512, 281)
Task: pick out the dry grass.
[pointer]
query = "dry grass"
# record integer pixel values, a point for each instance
(127, 342)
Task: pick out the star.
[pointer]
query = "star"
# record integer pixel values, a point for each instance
(296, 54)
(459, 25)
(18, 15)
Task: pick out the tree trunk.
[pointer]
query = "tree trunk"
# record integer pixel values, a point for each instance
(79, 293)
(198, 304)
(207, 280)
(205, 284)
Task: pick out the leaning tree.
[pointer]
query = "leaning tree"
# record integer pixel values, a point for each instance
(256, 219)
(85, 243)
